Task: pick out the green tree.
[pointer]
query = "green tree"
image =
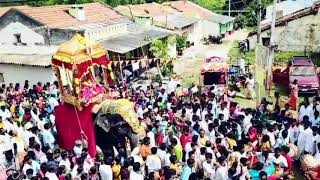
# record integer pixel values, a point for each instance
(160, 50)
(249, 16)
(181, 42)
(211, 4)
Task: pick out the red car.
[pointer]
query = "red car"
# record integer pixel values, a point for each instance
(301, 68)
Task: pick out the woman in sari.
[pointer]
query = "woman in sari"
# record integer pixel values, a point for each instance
(250, 87)
(293, 101)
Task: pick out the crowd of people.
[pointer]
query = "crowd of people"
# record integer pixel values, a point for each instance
(189, 136)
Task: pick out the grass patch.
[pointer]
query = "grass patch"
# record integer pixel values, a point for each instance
(235, 54)
(280, 57)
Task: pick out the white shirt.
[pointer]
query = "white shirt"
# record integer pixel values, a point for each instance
(53, 102)
(140, 112)
(135, 176)
(10, 126)
(272, 138)
(282, 162)
(221, 173)
(51, 176)
(162, 156)
(150, 134)
(167, 160)
(5, 114)
(309, 147)
(26, 167)
(65, 163)
(153, 163)
(127, 72)
(317, 157)
(105, 172)
(305, 111)
(208, 169)
(225, 112)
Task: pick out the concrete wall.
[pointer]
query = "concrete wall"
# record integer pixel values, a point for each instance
(27, 35)
(13, 73)
(210, 28)
(193, 33)
(58, 36)
(296, 35)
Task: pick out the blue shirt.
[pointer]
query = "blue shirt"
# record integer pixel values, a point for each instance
(186, 172)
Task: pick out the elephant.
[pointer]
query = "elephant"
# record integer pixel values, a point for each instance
(116, 120)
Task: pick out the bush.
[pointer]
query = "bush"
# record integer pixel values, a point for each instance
(181, 42)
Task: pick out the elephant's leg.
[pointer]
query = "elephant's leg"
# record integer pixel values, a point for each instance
(134, 139)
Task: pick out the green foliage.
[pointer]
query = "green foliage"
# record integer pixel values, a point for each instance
(249, 16)
(159, 49)
(281, 57)
(181, 42)
(211, 4)
(235, 55)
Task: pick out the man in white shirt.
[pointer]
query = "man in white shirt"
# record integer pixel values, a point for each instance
(135, 173)
(280, 161)
(171, 86)
(270, 133)
(222, 170)
(208, 167)
(105, 170)
(4, 112)
(65, 161)
(153, 161)
(51, 175)
(127, 73)
(162, 153)
(53, 102)
(223, 110)
(309, 143)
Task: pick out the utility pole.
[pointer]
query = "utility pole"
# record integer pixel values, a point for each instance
(271, 49)
(258, 23)
(258, 64)
(229, 12)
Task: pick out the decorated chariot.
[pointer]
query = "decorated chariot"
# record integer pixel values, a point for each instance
(84, 75)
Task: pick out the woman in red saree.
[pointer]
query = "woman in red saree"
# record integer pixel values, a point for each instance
(293, 101)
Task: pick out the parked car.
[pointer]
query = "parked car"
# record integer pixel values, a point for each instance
(301, 68)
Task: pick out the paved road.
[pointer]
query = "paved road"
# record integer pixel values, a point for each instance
(188, 65)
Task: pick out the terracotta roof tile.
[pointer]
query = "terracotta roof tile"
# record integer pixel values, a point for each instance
(190, 8)
(58, 16)
(147, 9)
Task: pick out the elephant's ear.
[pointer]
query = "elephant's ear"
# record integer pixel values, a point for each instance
(103, 121)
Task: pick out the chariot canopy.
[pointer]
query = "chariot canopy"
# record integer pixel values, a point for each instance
(83, 71)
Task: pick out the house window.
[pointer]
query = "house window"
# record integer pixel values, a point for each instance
(1, 78)
(18, 38)
(266, 41)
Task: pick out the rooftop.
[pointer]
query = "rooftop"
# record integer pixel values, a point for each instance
(135, 38)
(58, 16)
(176, 20)
(188, 7)
(27, 55)
(218, 18)
(146, 10)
